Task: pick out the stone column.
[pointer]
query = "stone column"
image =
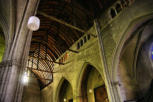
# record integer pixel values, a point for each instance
(111, 90)
(11, 69)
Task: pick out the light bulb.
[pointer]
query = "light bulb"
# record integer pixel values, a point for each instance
(90, 90)
(64, 99)
(25, 78)
(33, 23)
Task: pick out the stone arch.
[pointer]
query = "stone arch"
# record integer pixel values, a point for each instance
(4, 29)
(133, 27)
(7, 23)
(83, 83)
(84, 66)
(62, 86)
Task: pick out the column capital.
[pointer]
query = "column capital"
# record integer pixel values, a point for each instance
(10, 63)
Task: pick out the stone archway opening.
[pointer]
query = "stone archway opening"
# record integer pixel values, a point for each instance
(65, 93)
(135, 72)
(92, 86)
(2, 44)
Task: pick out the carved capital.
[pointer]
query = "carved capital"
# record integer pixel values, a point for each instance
(10, 63)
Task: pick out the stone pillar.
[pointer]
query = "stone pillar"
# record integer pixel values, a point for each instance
(111, 89)
(11, 69)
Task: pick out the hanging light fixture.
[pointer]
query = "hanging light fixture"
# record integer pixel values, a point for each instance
(33, 23)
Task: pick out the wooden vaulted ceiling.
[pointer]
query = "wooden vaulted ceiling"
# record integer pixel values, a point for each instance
(62, 23)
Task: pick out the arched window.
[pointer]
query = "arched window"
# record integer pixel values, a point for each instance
(85, 39)
(113, 13)
(118, 8)
(78, 45)
(81, 43)
(65, 93)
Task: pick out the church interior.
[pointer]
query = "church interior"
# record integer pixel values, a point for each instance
(76, 50)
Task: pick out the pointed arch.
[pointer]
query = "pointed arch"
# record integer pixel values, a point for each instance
(61, 92)
(133, 27)
(90, 82)
(7, 23)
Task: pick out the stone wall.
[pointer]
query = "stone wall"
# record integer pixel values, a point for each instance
(74, 66)
(31, 92)
(114, 32)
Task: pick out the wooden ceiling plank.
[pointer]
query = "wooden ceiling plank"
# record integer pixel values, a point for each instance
(60, 21)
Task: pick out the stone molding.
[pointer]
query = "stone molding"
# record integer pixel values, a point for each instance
(10, 63)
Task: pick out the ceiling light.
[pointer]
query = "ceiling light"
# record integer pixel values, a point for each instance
(33, 23)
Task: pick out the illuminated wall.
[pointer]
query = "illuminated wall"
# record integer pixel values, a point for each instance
(2, 47)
